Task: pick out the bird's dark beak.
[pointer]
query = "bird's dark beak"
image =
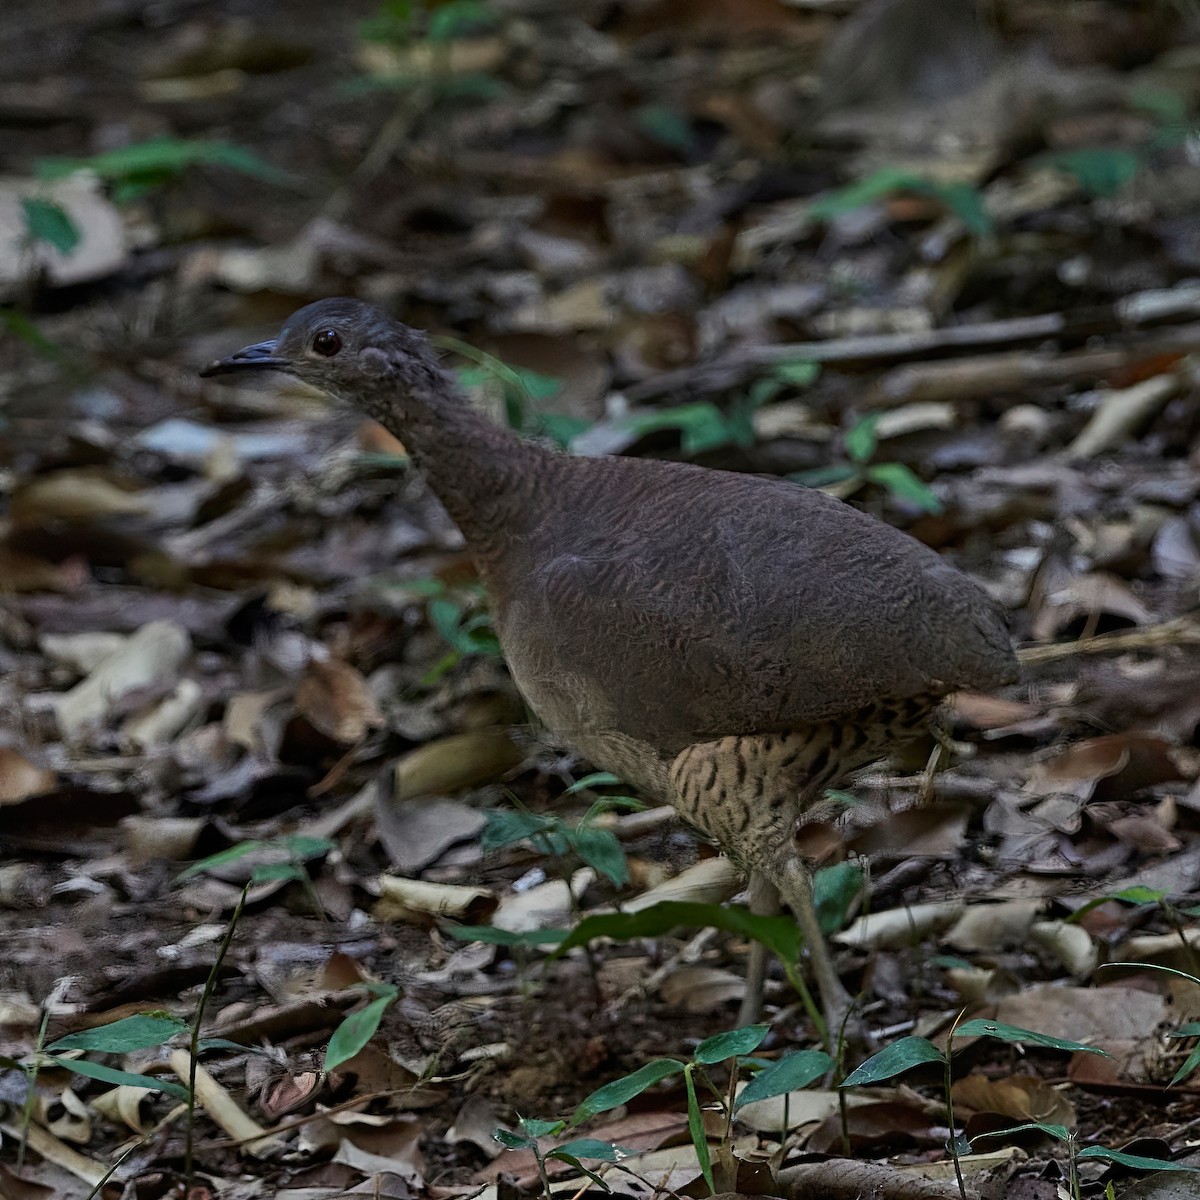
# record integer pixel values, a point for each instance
(261, 356)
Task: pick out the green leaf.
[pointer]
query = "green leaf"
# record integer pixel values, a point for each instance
(571, 1160)
(506, 827)
(721, 1046)
(696, 1129)
(507, 937)
(19, 325)
(861, 439)
(276, 872)
(537, 1127)
(1010, 1033)
(1189, 1065)
(960, 198)
(513, 1141)
(591, 1148)
(301, 846)
(667, 126)
(799, 373)
(91, 1070)
(702, 426)
(1059, 1132)
(216, 1043)
(221, 858)
(601, 849)
(789, 1074)
(1100, 170)
(594, 780)
(139, 1032)
(11, 1064)
(1191, 1029)
(965, 202)
(458, 17)
(356, 1031)
(1139, 894)
(622, 1090)
(1136, 1162)
(780, 935)
(893, 1060)
(48, 222)
(561, 429)
(819, 477)
(904, 485)
(834, 890)
(147, 164)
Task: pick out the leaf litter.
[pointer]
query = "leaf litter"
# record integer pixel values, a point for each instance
(236, 634)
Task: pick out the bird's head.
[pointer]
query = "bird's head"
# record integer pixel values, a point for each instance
(347, 348)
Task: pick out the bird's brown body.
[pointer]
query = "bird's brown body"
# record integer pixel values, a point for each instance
(729, 643)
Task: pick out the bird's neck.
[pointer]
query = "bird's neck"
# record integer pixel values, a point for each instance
(485, 475)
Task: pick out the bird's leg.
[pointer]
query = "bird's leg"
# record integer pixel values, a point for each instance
(748, 793)
(794, 881)
(764, 902)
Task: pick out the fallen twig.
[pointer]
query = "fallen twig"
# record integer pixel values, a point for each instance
(1134, 312)
(1183, 631)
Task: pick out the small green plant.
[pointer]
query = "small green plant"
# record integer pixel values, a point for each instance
(402, 22)
(464, 624)
(142, 1031)
(914, 1051)
(129, 173)
(287, 858)
(521, 391)
(1060, 1133)
(834, 889)
(861, 443)
(132, 171)
(963, 200)
(359, 1027)
(557, 839)
(704, 427)
(531, 1130)
(735, 1047)
(421, 34)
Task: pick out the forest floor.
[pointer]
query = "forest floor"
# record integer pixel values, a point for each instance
(260, 761)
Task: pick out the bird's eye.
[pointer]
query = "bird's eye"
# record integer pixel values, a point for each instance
(327, 343)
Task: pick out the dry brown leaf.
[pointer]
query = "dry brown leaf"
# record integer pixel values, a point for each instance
(20, 779)
(1105, 768)
(335, 700)
(1022, 1097)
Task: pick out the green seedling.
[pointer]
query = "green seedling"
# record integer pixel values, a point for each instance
(734, 1047)
(132, 171)
(897, 480)
(531, 1130)
(832, 891)
(462, 620)
(914, 1051)
(522, 392)
(407, 24)
(961, 199)
(558, 839)
(704, 427)
(359, 1027)
(290, 854)
(1060, 1133)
